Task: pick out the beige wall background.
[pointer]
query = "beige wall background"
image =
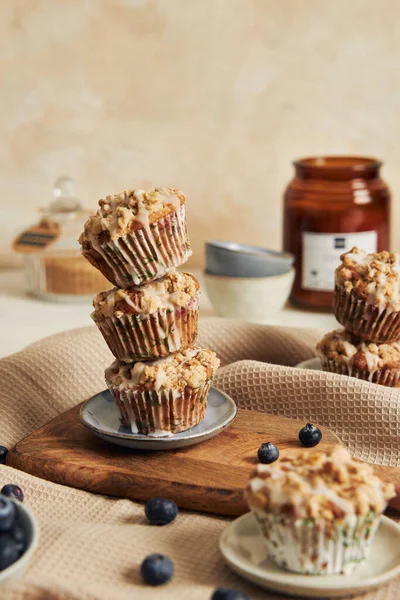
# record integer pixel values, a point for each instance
(213, 96)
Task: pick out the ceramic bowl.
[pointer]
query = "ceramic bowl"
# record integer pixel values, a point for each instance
(31, 527)
(242, 260)
(256, 299)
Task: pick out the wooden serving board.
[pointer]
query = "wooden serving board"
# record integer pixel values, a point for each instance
(208, 477)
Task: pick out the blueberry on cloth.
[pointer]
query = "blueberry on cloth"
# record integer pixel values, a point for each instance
(310, 435)
(9, 552)
(267, 453)
(13, 491)
(156, 569)
(3, 455)
(7, 514)
(160, 511)
(224, 593)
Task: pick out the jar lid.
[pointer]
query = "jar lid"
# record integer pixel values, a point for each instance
(60, 225)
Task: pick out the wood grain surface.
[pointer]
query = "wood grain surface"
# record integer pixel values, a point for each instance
(209, 477)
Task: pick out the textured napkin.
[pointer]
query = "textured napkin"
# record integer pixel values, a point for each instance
(91, 546)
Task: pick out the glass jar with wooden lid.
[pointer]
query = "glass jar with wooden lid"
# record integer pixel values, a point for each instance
(54, 266)
(332, 204)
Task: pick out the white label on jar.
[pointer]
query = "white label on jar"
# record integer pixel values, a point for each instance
(321, 255)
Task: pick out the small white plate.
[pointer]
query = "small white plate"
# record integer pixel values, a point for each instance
(311, 363)
(100, 415)
(243, 548)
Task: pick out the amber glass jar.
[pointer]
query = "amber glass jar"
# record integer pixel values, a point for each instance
(332, 204)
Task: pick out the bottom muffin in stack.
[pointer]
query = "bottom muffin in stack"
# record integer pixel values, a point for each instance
(164, 396)
(344, 353)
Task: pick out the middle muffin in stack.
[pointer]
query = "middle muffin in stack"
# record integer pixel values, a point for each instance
(160, 381)
(367, 304)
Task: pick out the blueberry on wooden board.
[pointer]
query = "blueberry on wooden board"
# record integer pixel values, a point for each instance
(267, 453)
(310, 435)
(161, 511)
(156, 569)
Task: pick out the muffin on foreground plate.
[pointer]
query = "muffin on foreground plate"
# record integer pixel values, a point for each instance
(367, 295)
(165, 396)
(150, 321)
(137, 236)
(318, 512)
(342, 352)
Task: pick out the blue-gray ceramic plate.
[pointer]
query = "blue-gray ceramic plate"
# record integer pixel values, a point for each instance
(100, 415)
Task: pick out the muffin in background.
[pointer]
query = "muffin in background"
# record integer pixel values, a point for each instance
(137, 236)
(342, 352)
(150, 321)
(367, 295)
(165, 396)
(318, 512)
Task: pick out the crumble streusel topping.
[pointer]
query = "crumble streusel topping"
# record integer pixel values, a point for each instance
(120, 214)
(373, 277)
(318, 485)
(346, 348)
(192, 367)
(176, 289)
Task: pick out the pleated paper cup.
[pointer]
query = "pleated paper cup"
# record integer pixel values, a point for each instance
(318, 547)
(387, 377)
(145, 254)
(365, 320)
(150, 336)
(161, 413)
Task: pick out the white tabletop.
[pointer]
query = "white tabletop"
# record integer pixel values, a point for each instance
(24, 320)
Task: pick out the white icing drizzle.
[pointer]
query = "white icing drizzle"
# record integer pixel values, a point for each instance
(287, 493)
(377, 293)
(154, 291)
(110, 222)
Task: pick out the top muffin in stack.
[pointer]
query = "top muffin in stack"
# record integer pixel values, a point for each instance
(367, 304)
(137, 239)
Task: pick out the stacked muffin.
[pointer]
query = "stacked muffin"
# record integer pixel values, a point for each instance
(367, 304)
(159, 380)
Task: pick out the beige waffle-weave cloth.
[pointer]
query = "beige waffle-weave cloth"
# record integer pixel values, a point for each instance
(91, 546)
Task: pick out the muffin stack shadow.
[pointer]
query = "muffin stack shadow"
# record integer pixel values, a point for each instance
(367, 304)
(159, 380)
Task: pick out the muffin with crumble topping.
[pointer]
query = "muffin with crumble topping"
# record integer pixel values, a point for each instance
(150, 321)
(318, 511)
(342, 352)
(367, 295)
(137, 236)
(165, 396)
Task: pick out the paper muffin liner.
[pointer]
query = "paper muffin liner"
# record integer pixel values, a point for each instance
(146, 253)
(387, 377)
(161, 413)
(151, 336)
(318, 547)
(365, 320)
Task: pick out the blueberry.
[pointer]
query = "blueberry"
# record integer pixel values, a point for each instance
(160, 511)
(156, 569)
(310, 435)
(267, 453)
(18, 534)
(13, 491)
(224, 593)
(8, 551)
(3, 455)
(7, 514)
